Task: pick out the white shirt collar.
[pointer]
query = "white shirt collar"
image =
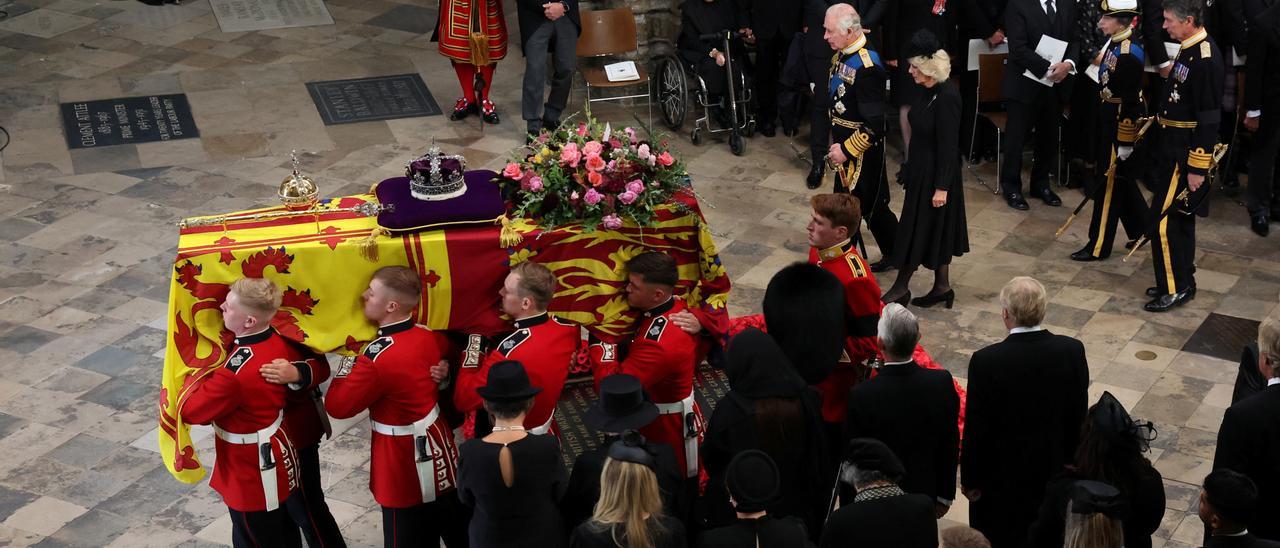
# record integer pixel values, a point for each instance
(1045, 9)
(1242, 533)
(1021, 329)
(898, 363)
(1273, 380)
(856, 45)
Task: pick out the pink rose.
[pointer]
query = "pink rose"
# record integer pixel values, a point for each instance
(573, 195)
(582, 130)
(631, 133)
(615, 143)
(612, 222)
(535, 183)
(570, 154)
(592, 197)
(643, 152)
(595, 178)
(613, 164)
(595, 163)
(635, 187)
(512, 171)
(665, 158)
(592, 148)
(627, 197)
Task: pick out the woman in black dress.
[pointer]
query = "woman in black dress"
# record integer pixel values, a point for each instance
(932, 227)
(513, 479)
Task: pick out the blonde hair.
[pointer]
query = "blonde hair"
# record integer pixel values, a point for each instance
(964, 537)
(1024, 298)
(259, 296)
(937, 66)
(1095, 530)
(628, 491)
(1269, 341)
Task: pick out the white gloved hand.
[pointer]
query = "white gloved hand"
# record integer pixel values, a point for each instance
(1122, 153)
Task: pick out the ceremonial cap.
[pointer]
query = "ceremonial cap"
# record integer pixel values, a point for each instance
(1119, 7)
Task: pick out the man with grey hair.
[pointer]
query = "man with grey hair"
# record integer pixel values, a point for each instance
(881, 514)
(1027, 399)
(911, 409)
(1246, 439)
(856, 92)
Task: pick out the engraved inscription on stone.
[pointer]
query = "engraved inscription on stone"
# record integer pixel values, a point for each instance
(376, 98)
(128, 120)
(248, 15)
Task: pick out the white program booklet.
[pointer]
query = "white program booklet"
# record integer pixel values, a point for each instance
(981, 47)
(1092, 72)
(1050, 49)
(621, 72)
(1171, 50)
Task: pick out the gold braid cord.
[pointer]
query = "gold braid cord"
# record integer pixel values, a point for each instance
(1199, 159)
(857, 144)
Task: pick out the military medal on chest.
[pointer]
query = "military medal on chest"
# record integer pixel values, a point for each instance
(840, 91)
(1173, 96)
(839, 107)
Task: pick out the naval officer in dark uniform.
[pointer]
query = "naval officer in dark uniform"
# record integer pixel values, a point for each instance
(856, 89)
(1189, 111)
(1116, 197)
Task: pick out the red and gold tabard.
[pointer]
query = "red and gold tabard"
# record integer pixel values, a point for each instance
(414, 455)
(862, 313)
(459, 18)
(663, 357)
(255, 468)
(544, 345)
(304, 416)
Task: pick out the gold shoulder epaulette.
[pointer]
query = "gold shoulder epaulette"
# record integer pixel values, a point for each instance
(866, 57)
(1205, 50)
(1124, 47)
(855, 264)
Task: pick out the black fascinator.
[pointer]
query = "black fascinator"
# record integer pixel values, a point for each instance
(923, 44)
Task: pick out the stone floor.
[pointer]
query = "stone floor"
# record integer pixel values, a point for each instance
(87, 237)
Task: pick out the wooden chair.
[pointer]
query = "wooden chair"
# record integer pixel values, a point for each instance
(990, 74)
(608, 33)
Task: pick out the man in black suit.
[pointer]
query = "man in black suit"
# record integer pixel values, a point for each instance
(547, 25)
(772, 24)
(1247, 439)
(1262, 118)
(1032, 104)
(911, 409)
(1027, 399)
(881, 514)
(817, 62)
(1226, 503)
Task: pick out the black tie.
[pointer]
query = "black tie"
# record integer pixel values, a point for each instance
(1048, 8)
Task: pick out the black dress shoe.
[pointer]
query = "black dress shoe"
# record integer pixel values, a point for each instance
(1129, 244)
(550, 125)
(903, 300)
(1166, 302)
(815, 177)
(489, 113)
(949, 298)
(462, 109)
(1260, 225)
(1084, 255)
(882, 265)
(1046, 194)
(768, 130)
(1016, 201)
(1154, 291)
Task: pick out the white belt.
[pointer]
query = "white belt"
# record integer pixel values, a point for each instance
(546, 426)
(684, 408)
(423, 449)
(266, 463)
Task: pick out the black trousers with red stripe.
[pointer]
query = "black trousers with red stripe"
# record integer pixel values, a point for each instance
(427, 524)
(307, 507)
(263, 528)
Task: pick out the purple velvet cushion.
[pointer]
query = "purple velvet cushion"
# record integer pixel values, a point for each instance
(480, 205)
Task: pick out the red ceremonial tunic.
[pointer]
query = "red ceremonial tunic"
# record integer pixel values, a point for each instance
(545, 346)
(459, 18)
(862, 312)
(664, 358)
(237, 400)
(392, 379)
(302, 407)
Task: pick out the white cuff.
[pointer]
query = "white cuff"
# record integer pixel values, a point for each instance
(944, 502)
(1073, 65)
(1253, 114)
(1164, 64)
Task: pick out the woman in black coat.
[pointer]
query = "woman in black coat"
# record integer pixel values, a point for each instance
(701, 17)
(1110, 451)
(769, 408)
(932, 228)
(512, 478)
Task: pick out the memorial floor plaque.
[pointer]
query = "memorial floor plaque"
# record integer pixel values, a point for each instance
(128, 120)
(375, 98)
(248, 15)
(1222, 337)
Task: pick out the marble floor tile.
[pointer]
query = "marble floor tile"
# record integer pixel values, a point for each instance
(44, 516)
(44, 23)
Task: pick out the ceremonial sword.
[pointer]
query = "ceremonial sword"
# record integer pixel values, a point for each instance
(1219, 150)
(1145, 124)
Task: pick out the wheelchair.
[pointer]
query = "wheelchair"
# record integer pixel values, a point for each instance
(673, 92)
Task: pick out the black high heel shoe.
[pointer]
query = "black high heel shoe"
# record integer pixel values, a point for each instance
(903, 300)
(929, 300)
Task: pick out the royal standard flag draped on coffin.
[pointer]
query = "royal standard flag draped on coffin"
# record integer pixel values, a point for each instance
(317, 261)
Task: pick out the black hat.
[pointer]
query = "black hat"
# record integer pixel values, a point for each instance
(923, 44)
(752, 480)
(622, 405)
(1232, 495)
(1095, 497)
(508, 382)
(873, 454)
(1119, 7)
(1108, 418)
(631, 447)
